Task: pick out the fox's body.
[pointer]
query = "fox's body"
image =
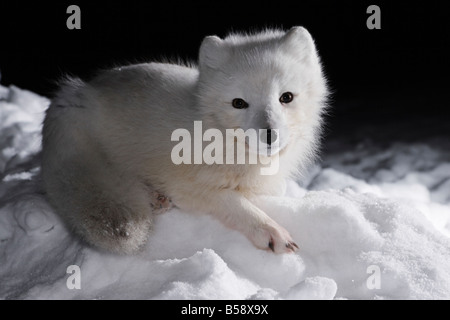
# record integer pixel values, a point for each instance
(107, 143)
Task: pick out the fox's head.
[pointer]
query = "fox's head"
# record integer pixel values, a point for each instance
(269, 80)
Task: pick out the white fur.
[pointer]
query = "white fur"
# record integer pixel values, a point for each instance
(106, 143)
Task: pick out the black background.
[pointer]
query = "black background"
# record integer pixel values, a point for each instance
(398, 73)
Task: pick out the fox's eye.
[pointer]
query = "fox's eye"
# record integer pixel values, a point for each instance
(286, 97)
(239, 103)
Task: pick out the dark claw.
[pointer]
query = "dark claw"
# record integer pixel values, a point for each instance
(291, 245)
(271, 245)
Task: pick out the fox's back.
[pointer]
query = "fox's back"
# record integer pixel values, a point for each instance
(156, 92)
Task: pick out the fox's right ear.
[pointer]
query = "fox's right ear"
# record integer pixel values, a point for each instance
(212, 52)
(299, 40)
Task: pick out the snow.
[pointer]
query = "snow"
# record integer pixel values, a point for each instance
(372, 222)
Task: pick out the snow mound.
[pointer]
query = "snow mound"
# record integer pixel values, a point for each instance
(371, 223)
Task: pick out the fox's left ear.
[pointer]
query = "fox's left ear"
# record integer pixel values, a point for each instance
(299, 39)
(212, 52)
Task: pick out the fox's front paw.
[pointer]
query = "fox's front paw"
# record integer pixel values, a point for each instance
(159, 202)
(273, 237)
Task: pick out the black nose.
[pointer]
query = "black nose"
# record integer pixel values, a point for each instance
(268, 136)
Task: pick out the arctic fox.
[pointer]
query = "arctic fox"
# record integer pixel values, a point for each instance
(107, 166)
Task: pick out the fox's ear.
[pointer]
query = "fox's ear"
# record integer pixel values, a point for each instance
(299, 39)
(212, 52)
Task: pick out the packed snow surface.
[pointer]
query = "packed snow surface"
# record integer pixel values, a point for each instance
(372, 222)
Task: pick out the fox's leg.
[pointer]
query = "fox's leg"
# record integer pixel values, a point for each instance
(239, 213)
(159, 202)
(108, 210)
(114, 218)
(115, 226)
